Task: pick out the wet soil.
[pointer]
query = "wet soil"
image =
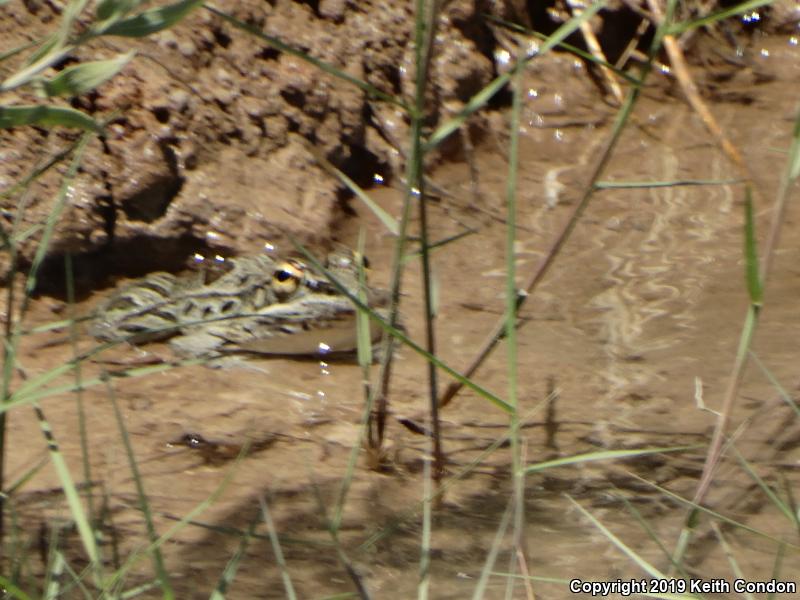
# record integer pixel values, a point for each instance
(637, 322)
(213, 144)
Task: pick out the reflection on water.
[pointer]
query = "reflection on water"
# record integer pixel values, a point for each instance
(660, 256)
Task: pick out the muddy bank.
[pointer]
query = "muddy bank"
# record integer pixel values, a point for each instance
(210, 146)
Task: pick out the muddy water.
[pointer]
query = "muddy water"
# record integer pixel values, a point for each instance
(637, 321)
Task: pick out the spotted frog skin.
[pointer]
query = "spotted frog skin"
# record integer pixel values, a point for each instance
(262, 304)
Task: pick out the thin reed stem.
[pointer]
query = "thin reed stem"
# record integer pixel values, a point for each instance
(512, 304)
(425, 35)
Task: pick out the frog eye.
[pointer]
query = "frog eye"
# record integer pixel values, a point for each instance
(286, 278)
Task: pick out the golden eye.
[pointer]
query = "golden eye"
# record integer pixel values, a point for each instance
(287, 278)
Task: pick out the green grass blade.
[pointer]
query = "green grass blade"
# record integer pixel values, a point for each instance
(150, 21)
(794, 152)
(25, 477)
(737, 9)
(52, 219)
(107, 10)
(784, 394)
(12, 590)
(77, 512)
(782, 506)
(638, 560)
(599, 456)
(53, 325)
(754, 284)
(288, 587)
(46, 116)
(14, 51)
(38, 393)
(628, 185)
(53, 49)
(72, 12)
(494, 550)
(144, 506)
(67, 484)
(587, 56)
(336, 545)
(776, 569)
(229, 573)
(698, 509)
(51, 52)
(83, 433)
(649, 529)
(729, 554)
(20, 237)
(55, 570)
(134, 558)
(440, 243)
(37, 172)
(363, 333)
(511, 301)
(82, 78)
(364, 349)
(388, 220)
(49, 44)
(24, 393)
(423, 586)
(135, 592)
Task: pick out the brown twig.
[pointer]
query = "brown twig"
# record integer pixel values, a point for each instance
(596, 50)
(681, 70)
